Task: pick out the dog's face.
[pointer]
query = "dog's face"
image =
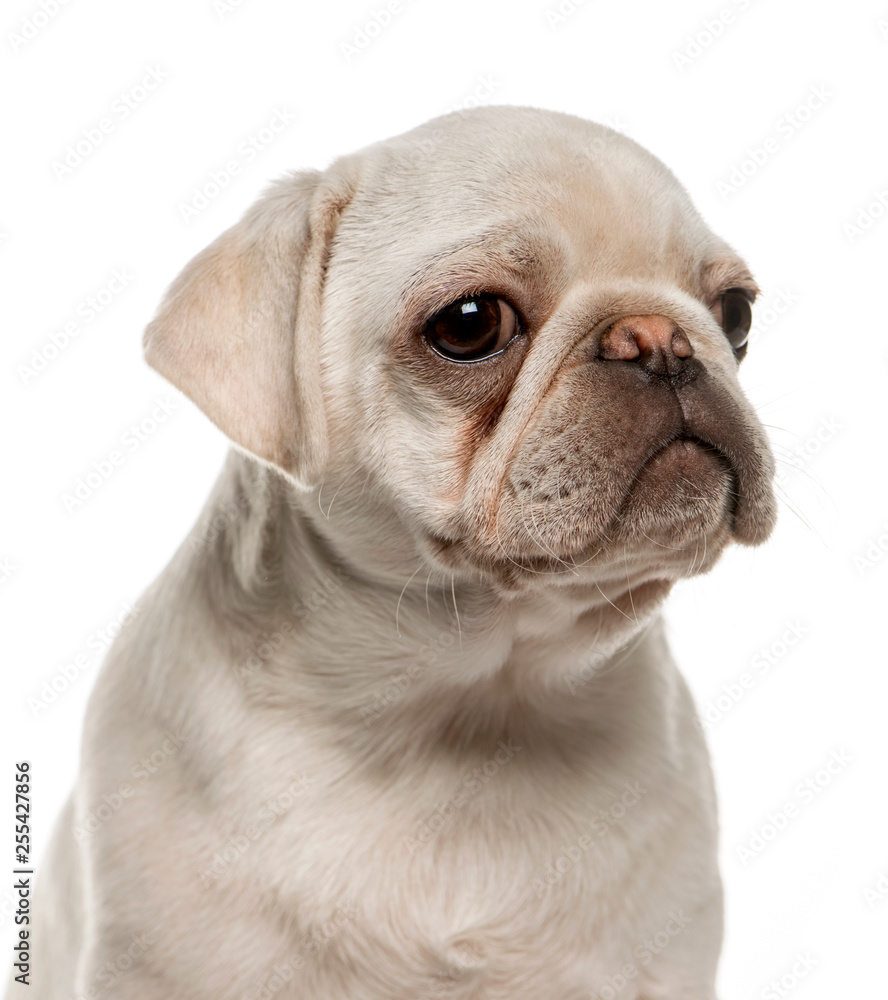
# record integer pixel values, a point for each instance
(516, 349)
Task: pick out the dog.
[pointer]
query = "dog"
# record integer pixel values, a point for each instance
(399, 719)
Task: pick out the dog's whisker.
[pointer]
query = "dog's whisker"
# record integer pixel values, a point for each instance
(629, 581)
(611, 603)
(571, 562)
(660, 545)
(589, 559)
(335, 495)
(537, 536)
(785, 499)
(509, 558)
(455, 608)
(401, 597)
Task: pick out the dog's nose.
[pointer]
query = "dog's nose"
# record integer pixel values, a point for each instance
(656, 343)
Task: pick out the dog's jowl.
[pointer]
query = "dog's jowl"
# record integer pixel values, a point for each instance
(398, 720)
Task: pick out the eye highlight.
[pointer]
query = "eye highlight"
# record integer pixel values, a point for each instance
(733, 311)
(473, 328)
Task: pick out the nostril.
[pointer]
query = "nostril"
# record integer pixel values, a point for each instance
(681, 346)
(656, 342)
(619, 343)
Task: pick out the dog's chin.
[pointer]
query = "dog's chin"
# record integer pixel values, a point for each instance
(684, 493)
(654, 548)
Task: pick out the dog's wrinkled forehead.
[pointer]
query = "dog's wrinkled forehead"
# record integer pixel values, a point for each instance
(521, 192)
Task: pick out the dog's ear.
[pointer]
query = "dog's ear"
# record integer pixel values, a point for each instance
(238, 331)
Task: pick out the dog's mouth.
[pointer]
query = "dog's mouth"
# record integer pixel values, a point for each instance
(656, 490)
(686, 460)
(684, 490)
(683, 448)
(678, 510)
(687, 488)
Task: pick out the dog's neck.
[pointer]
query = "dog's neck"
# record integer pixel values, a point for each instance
(320, 633)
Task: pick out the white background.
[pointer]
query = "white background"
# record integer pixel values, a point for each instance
(709, 108)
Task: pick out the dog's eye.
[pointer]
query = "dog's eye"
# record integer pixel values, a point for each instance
(734, 314)
(473, 328)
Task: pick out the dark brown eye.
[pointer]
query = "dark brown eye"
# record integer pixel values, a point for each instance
(734, 313)
(473, 328)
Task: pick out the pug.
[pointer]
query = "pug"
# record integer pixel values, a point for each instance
(399, 720)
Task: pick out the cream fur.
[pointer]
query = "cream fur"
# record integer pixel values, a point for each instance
(410, 722)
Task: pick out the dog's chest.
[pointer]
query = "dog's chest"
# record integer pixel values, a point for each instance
(488, 923)
(475, 889)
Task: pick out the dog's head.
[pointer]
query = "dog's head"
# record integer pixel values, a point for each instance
(503, 345)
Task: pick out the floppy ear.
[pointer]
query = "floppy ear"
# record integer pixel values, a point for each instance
(238, 331)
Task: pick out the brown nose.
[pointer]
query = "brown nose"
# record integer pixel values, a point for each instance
(655, 342)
